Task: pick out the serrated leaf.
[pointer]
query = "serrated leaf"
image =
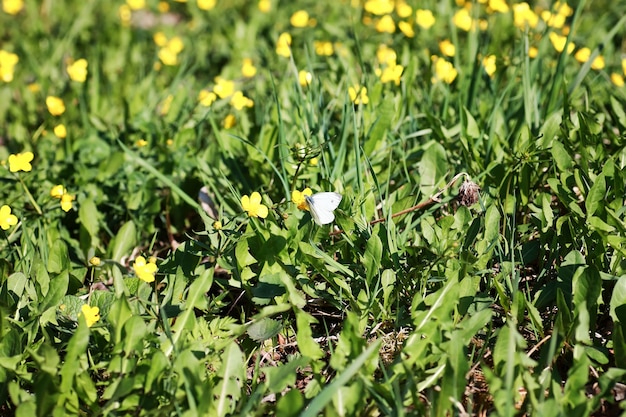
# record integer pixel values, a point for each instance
(264, 329)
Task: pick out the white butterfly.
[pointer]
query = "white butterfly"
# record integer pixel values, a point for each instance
(321, 206)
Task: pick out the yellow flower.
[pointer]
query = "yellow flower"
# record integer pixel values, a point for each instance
(385, 55)
(392, 73)
(206, 4)
(78, 70)
(166, 104)
(462, 20)
(304, 78)
(379, 7)
(168, 54)
(21, 162)
(489, 62)
(617, 79)
(403, 10)
(598, 63)
(298, 198)
(206, 98)
(248, 69)
(95, 261)
(223, 87)
(447, 48)
(60, 131)
(6, 218)
(12, 7)
(229, 121)
(66, 202)
(358, 95)
(583, 54)
(265, 6)
(299, 19)
(239, 101)
(424, 18)
(523, 16)
(140, 143)
(56, 107)
(145, 271)
(386, 24)
(558, 42)
(313, 162)
(136, 4)
(533, 51)
(57, 191)
(406, 28)
(91, 314)
(323, 48)
(163, 7)
(444, 71)
(159, 39)
(217, 225)
(253, 205)
(125, 14)
(553, 20)
(283, 45)
(498, 6)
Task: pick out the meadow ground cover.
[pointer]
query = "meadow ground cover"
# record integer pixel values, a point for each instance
(160, 161)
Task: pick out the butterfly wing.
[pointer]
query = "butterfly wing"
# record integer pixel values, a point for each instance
(321, 206)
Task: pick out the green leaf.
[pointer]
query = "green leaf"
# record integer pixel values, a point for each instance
(561, 157)
(125, 240)
(232, 374)
(378, 131)
(471, 127)
(315, 407)
(432, 168)
(278, 378)
(58, 258)
(304, 335)
(264, 329)
(57, 290)
(617, 304)
(89, 217)
(595, 196)
(373, 256)
(197, 290)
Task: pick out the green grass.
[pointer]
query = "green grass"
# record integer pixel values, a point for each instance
(410, 303)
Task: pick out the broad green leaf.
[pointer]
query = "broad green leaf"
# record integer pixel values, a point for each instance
(561, 157)
(57, 290)
(380, 127)
(278, 378)
(373, 256)
(264, 329)
(492, 224)
(432, 168)
(89, 218)
(471, 127)
(76, 348)
(304, 335)
(125, 240)
(388, 281)
(595, 196)
(58, 258)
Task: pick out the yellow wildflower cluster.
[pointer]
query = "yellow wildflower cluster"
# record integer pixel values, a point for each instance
(169, 48)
